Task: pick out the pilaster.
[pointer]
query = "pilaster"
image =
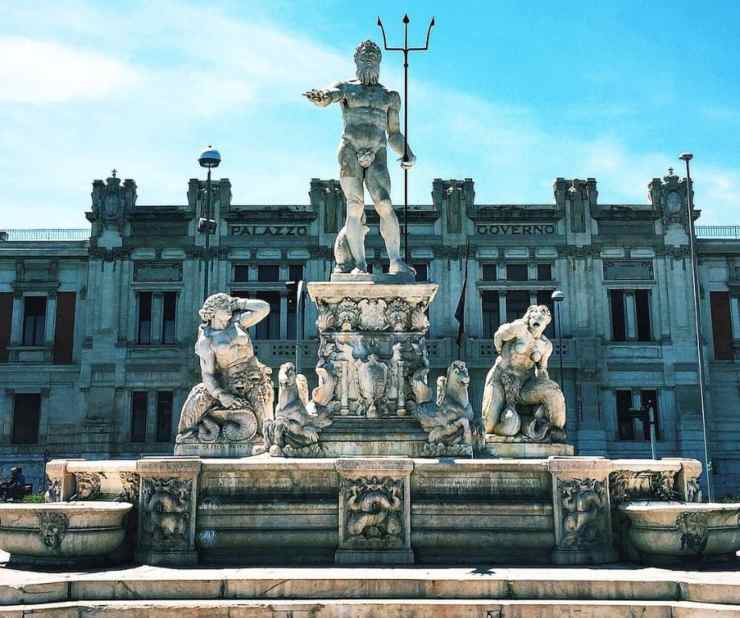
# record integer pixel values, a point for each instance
(167, 506)
(582, 512)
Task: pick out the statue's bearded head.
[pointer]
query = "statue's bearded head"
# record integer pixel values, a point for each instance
(538, 318)
(367, 61)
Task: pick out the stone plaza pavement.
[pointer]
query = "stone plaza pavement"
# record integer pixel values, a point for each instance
(622, 591)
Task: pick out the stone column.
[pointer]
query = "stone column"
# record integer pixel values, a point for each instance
(16, 327)
(501, 306)
(284, 314)
(374, 497)
(50, 319)
(167, 509)
(157, 308)
(630, 318)
(581, 511)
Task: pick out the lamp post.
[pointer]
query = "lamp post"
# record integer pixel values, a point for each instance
(558, 297)
(298, 324)
(210, 158)
(686, 157)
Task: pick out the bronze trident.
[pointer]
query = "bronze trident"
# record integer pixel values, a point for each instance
(406, 49)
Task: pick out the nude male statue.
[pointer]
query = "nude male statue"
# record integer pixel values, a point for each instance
(369, 111)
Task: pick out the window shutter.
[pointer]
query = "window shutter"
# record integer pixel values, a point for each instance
(65, 328)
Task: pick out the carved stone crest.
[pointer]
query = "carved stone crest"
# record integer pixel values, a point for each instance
(111, 201)
(52, 528)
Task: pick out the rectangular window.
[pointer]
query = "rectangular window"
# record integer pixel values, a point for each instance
(144, 335)
(488, 272)
(164, 416)
(544, 272)
(642, 315)
(295, 273)
(422, 272)
(625, 419)
(241, 273)
(169, 312)
(517, 272)
(6, 318)
(64, 329)
(491, 314)
(34, 320)
(721, 325)
(619, 328)
(543, 298)
(268, 272)
(26, 416)
(517, 302)
(269, 328)
(138, 416)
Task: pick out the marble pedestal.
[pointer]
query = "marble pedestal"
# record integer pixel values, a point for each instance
(373, 355)
(516, 448)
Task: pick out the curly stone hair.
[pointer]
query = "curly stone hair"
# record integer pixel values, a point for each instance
(215, 302)
(367, 46)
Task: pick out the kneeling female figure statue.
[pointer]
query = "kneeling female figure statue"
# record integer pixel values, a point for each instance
(235, 397)
(519, 378)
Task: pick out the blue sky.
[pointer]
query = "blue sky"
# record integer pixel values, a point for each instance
(512, 94)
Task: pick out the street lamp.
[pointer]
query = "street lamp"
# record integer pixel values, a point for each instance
(557, 297)
(210, 158)
(686, 157)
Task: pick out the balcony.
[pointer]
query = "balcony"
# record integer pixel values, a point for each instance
(726, 232)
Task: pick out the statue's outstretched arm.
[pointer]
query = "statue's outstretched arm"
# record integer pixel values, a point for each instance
(325, 96)
(252, 310)
(396, 139)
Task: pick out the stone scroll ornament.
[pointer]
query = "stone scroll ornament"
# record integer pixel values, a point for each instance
(448, 419)
(235, 398)
(520, 400)
(298, 420)
(371, 124)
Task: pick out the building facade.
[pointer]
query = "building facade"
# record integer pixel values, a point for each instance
(97, 326)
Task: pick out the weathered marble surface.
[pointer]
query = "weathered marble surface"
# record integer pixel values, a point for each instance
(675, 533)
(224, 415)
(371, 123)
(520, 400)
(62, 533)
(280, 511)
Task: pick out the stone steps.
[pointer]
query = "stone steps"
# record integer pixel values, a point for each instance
(474, 587)
(400, 608)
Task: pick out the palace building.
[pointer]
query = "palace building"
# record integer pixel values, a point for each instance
(97, 325)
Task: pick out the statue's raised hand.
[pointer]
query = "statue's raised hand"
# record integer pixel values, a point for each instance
(407, 162)
(321, 98)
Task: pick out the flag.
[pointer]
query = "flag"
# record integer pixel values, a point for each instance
(460, 311)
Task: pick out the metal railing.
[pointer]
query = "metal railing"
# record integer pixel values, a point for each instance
(44, 234)
(718, 231)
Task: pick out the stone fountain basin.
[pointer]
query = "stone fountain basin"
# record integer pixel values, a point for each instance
(665, 533)
(62, 533)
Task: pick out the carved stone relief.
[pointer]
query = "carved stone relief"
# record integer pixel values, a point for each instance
(129, 487)
(373, 513)
(694, 531)
(165, 505)
(52, 528)
(584, 505)
(627, 486)
(157, 271)
(53, 491)
(87, 485)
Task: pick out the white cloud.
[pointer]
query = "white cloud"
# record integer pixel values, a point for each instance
(34, 71)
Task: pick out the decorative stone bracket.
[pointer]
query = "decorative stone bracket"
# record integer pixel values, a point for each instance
(167, 507)
(374, 511)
